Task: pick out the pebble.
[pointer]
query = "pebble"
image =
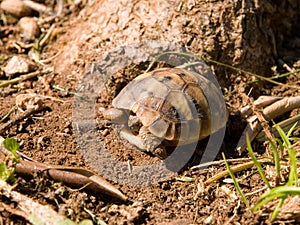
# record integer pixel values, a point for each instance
(18, 65)
(105, 132)
(16, 8)
(29, 28)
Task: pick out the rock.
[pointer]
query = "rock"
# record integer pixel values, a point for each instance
(16, 8)
(18, 65)
(29, 28)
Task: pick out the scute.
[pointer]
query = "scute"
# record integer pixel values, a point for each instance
(187, 76)
(198, 100)
(178, 100)
(147, 116)
(170, 79)
(169, 112)
(215, 103)
(139, 88)
(159, 128)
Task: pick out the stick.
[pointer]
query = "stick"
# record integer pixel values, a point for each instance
(72, 176)
(270, 112)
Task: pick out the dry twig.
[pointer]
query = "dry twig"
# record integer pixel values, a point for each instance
(17, 119)
(41, 8)
(4, 83)
(269, 113)
(72, 176)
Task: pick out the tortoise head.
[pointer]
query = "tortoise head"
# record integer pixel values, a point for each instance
(118, 116)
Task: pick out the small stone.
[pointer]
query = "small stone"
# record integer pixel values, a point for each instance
(29, 28)
(16, 8)
(105, 132)
(29, 101)
(18, 65)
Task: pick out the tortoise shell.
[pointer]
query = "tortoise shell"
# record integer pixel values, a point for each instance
(171, 103)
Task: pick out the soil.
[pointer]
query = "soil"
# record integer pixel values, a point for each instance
(256, 36)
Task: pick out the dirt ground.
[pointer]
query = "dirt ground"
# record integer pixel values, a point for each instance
(260, 37)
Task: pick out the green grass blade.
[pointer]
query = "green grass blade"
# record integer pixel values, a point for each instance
(4, 173)
(276, 192)
(269, 196)
(293, 176)
(289, 133)
(256, 163)
(276, 158)
(236, 184)
(291, 187)
(290, 190)
(277, 209)
(281, 147)
(265, 200)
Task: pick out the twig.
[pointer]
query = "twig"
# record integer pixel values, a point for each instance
(4, 83)
(8, 113)
(72, 176)
(18, 118)
(59, 7)
(285, 125)
(38, 7)
(47, 36)
(270, 112)
(282, 106)
(261, 102)
(284, 65)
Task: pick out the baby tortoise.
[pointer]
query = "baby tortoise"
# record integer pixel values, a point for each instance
(166, 105)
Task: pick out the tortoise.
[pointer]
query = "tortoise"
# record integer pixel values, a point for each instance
(168, 106)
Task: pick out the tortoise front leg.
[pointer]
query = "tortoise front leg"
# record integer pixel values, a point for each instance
(145, 141)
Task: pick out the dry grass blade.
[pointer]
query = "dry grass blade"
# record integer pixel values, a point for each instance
(268, 79)
(46, 38)
(7, 114)
(234, 169)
